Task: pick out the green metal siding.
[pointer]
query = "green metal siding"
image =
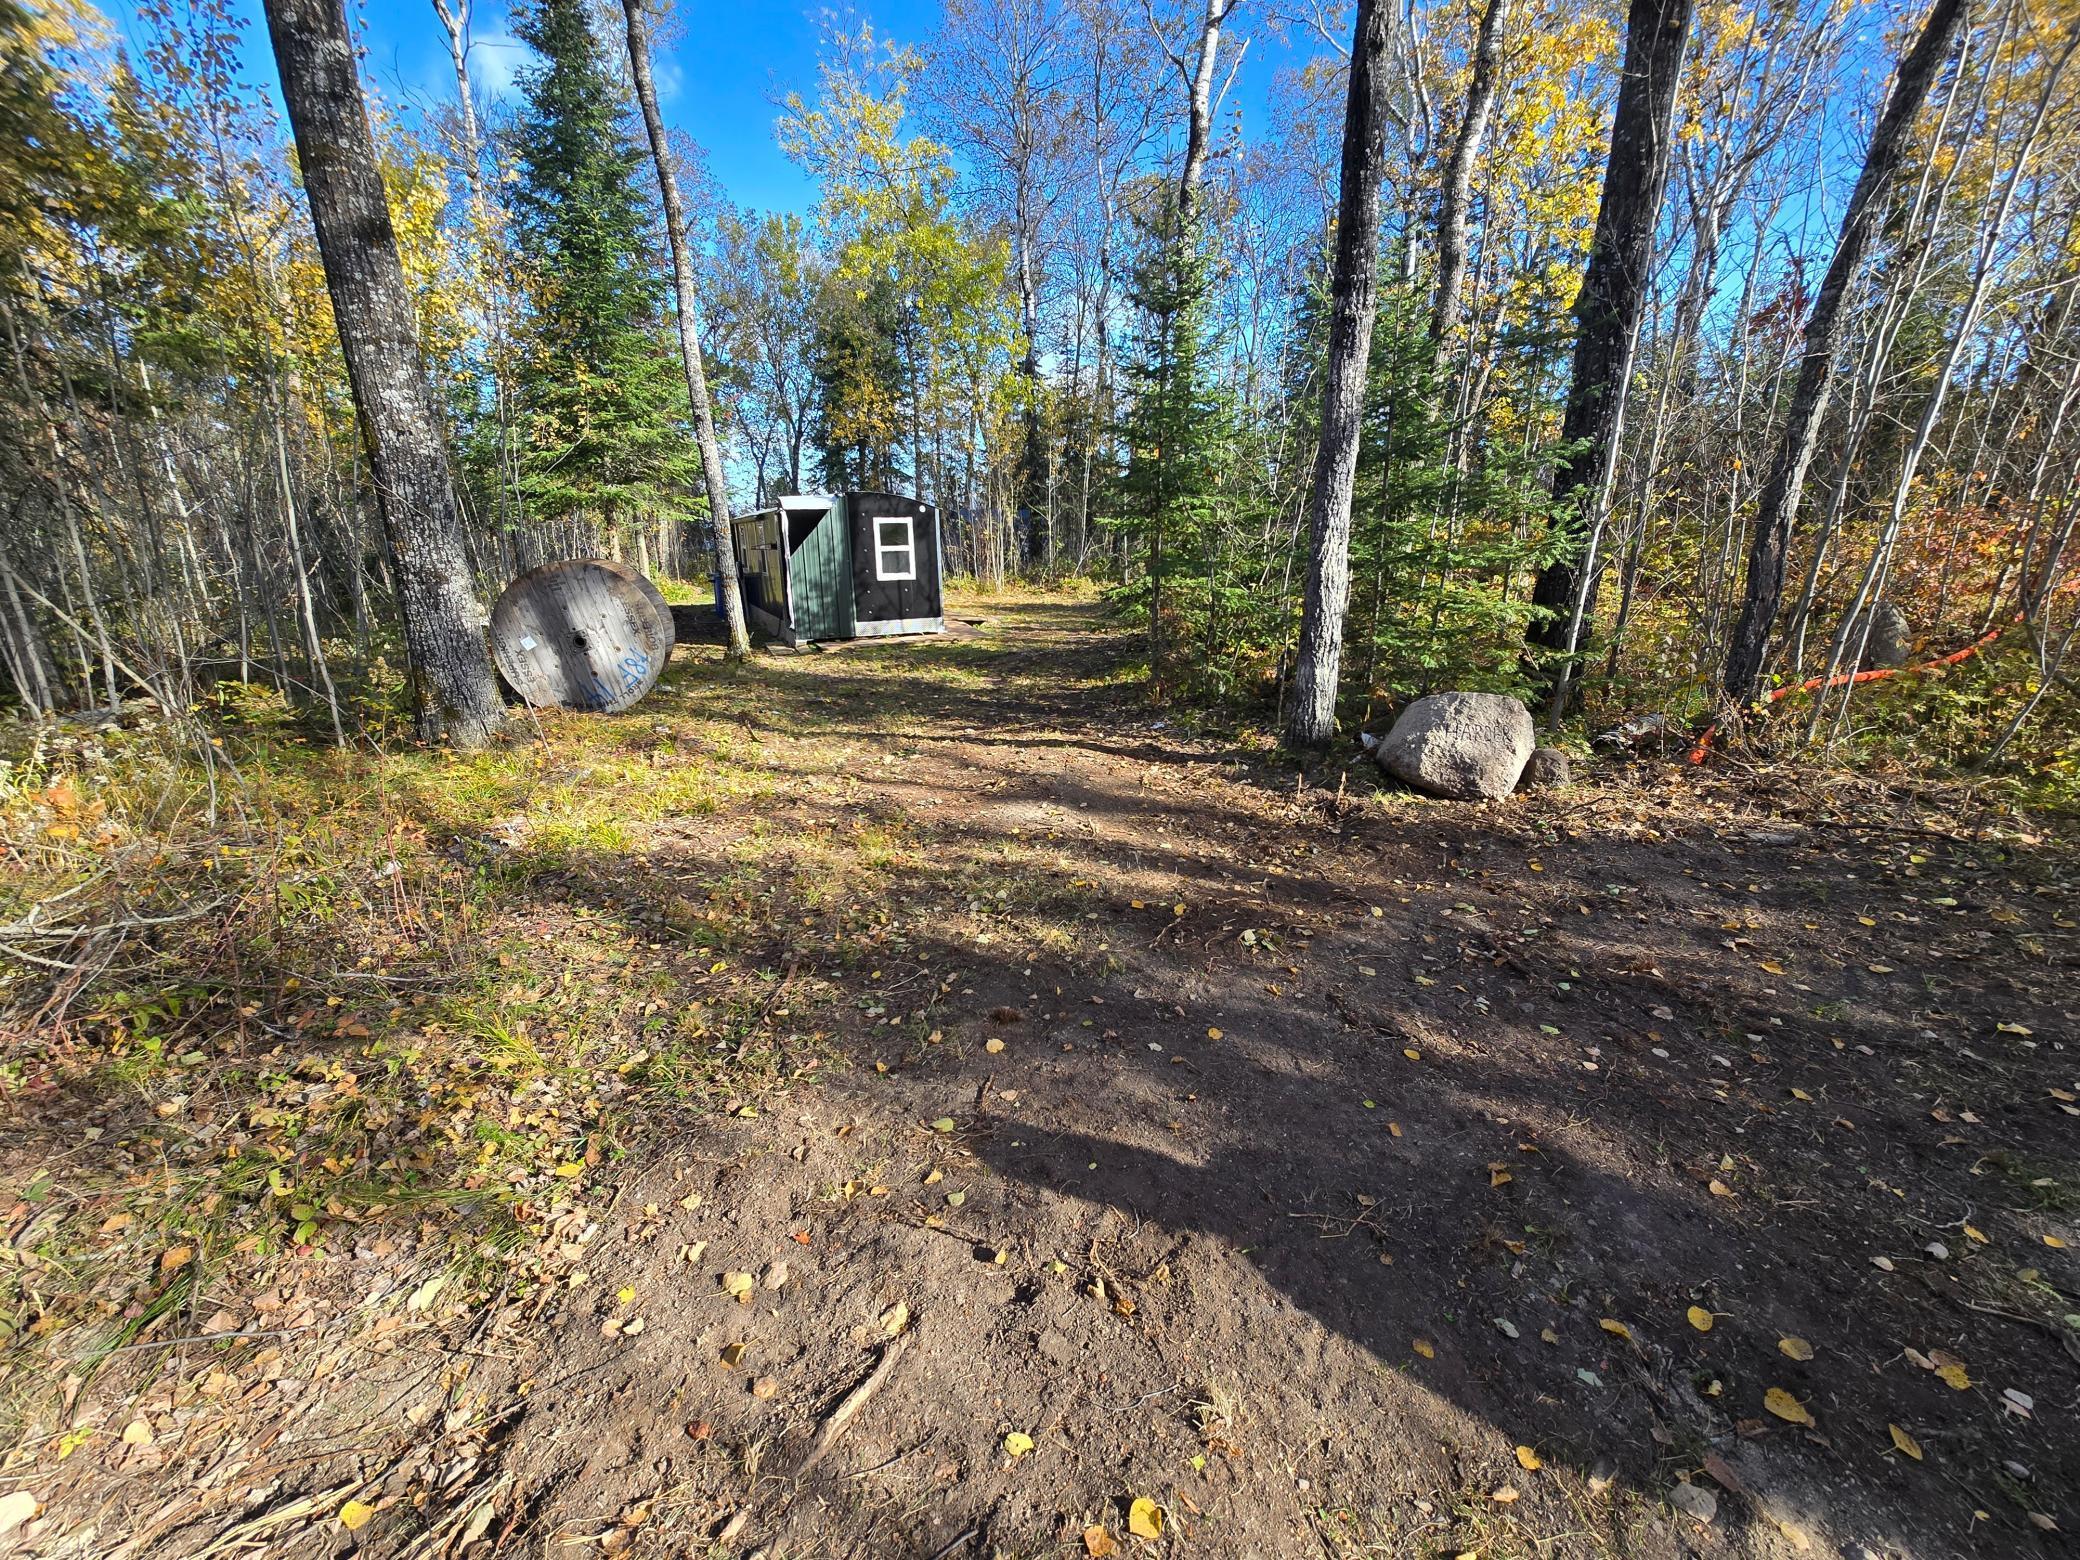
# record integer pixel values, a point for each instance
(820, 578)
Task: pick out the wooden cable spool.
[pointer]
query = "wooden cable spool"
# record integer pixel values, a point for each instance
(581, 634)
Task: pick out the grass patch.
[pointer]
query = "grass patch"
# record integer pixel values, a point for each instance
(262, 1015)
(355, 997)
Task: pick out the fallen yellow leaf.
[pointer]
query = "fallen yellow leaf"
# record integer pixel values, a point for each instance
(1700, 1318)
(1956, 1376)
(1414, 1055)
(1795, 1349)
(1145, 1517)
(1787, 1407)
(1905, 1442)
(1425, 1347)
(355, 1515)
(1529, 1460)
(1099, 1544)
(1212, 1033)
(1017, 1444)
(1616, 1328)
(1973, 1234)
(2056, 1242)
(1719, 1189)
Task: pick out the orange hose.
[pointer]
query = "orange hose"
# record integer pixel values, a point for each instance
(1704, 743)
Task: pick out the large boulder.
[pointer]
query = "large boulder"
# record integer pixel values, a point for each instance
(1466, 746)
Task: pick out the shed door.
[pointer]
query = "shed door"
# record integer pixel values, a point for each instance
(895, 558)
(817, 572)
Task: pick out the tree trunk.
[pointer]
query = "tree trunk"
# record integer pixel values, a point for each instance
(1453, 198)
(739, 642)
(1199, 120)
(454, 690)
(1859, 617)
(1610, 305)
(1354, 301)
(455, 23)
(1777, 515)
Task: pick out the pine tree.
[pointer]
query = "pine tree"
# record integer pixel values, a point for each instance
(602, 395)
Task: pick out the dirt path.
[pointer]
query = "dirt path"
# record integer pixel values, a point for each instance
(1343, 1174)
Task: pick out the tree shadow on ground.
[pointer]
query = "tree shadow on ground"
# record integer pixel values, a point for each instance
(1591, 1089)
(1221, 1205)
(1511, 1174)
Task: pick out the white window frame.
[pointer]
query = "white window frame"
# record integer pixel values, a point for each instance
(907, 547)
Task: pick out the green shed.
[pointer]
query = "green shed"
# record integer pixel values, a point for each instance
(841, 566)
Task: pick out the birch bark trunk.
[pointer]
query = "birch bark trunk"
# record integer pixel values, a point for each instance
(1199, 120)
(739, 642)
(1456, 194)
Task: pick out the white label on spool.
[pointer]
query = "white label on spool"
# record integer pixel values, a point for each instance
(527, 641)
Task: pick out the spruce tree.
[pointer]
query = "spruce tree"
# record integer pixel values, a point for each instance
(857, 361)
(602, 396)
(1180, 433)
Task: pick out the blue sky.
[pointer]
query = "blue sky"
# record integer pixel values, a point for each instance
(721, 67)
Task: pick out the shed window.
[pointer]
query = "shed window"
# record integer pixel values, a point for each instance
(895, 548)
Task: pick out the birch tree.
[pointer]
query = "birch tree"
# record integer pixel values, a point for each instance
(1455, 192)
(737, 642)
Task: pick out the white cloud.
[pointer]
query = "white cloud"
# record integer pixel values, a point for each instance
(495, 61)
